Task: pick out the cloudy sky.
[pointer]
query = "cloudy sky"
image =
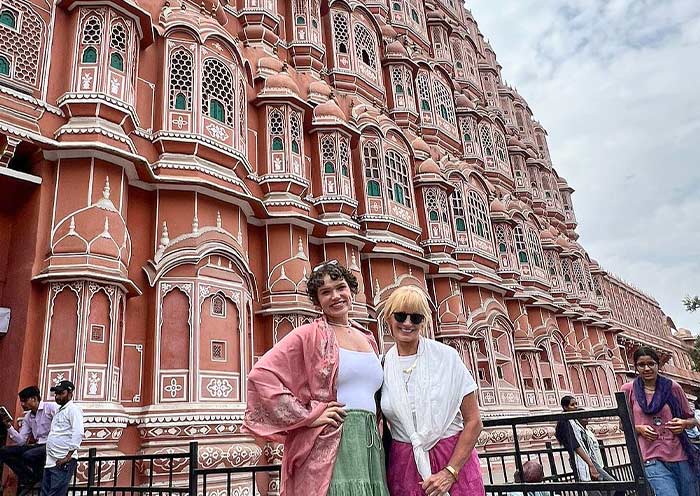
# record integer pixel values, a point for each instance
(617, 85)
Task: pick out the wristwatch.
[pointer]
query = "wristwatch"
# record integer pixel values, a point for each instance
(454, 473)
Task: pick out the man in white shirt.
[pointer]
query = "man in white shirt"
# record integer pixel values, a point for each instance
(63, 442)
(27, 457)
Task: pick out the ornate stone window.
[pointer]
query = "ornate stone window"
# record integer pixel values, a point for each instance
(372, 175)
(478, 216)
(424, 96)
(444, 102)
(4, 66)
(181, 80)
(217, 91)
(501, 150)
(486, 139)
(520, 246)
(328, 154)
(365, 47)
(218, 306)
(458, 210)
(22, 34)
(306, 21)
(117, 45)
(355, 45)
(398, 182)
(437, 214)
(535, 248)
(409, 13)
(335, 164)
(341, 32)
(276, 130)
(402, 86)
(8, 18)
(296, 132)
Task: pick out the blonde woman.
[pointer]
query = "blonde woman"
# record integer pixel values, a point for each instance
(429, 403)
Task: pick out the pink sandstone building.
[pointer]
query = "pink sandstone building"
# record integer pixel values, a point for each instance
(172, 170)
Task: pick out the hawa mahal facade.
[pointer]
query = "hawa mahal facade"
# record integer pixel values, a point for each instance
(172, 170)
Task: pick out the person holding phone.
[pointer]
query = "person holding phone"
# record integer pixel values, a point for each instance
(661, 414)
(63, 442)
(27, 456)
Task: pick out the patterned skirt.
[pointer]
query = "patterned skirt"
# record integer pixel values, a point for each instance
(404, 479)
(359, 466)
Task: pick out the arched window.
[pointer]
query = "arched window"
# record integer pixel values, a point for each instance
(276, 130)
(501, 151)
(397, 6)
(217, 86)
(478, 216)
(371, 162)
(398, 184)
(444, 99)
(486, 140)
(116, 61)
(423, 91)
(341, 32)
(458, 209)
(344, 157)
(117, 43)
(7, 18)
(4, 66)
(328, 154)
(501, 238)
(216, 110)
(301, 21)
(296, 134)
(92, 31)
(181, 80)
(520, 246)
(535, 248)
(365, 47)
(89, 55)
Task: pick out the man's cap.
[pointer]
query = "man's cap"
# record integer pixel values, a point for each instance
(63, 386)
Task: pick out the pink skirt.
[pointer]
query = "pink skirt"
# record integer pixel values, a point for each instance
(404, 480)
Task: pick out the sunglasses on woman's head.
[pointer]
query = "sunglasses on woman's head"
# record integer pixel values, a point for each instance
(416, 318)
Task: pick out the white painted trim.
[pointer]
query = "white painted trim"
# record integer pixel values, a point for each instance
(22, 176)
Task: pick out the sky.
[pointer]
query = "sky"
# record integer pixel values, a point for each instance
(616, 83)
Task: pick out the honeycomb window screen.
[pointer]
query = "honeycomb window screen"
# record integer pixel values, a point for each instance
(117, 39)
(344, 156)
(341, 32)
(21, 45)
(276, 129)
(181, 80)
(295, 132)
(501, 150)
(486, 140)
(398, 183)
(328, 154)
(218, 351)
(535, 248)
(97, 333)
(92, 31)
(478, 216)
(217, 85)
(242, 115)
(365, 47)
(520, 245)
(502, 239)
(424, 91)
(218, 306)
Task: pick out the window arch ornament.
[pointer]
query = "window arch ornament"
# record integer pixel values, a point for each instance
(444, 102)
(535, 247)
(285, 140)
(458, 212)
(437, 214)
(504, 247)
(521, 246)
(365, 47)
(478, 216)
(336, 177)
(402, 87)
(355, 46)
(370, 157)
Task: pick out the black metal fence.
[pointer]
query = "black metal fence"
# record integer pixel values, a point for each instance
(179, 474)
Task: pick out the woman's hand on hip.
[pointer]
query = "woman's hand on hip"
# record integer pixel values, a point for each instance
(332, 415)
(647, 432)
(438, 484)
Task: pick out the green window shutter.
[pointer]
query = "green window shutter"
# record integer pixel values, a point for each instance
(373, 188)
(461, 225)
(180, 102)
(116, 61)
(4, 66)
(7, 18)
(89, 55)
(216, 110)
(329, 168)
(277, 144)
(433, 216)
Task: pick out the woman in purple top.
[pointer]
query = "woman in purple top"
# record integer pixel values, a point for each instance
(661, 413)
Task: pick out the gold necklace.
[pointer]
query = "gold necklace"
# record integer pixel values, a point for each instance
(347, 326)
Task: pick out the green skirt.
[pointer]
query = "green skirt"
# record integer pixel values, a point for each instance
(359, 467)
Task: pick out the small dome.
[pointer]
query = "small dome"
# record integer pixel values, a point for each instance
(329, 109)
(388, 32)
(562, 242)
(683, 333)
(320, 88)
(497, 206)
(419, 145)
(546, 234)
(428, 166)
(271, 64)
(281, 81)
(397, 49)
(462, 101)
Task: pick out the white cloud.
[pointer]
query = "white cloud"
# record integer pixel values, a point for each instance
(615, 84)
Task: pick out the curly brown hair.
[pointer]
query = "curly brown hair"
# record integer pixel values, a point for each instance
(336, 272)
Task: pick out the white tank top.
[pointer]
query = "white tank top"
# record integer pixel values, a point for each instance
(360, 375)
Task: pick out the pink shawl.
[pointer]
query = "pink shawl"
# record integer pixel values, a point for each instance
(289, 388)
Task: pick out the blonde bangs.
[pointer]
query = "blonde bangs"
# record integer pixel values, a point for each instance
(410, 300)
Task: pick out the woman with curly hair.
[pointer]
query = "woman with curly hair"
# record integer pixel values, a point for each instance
(314, 392)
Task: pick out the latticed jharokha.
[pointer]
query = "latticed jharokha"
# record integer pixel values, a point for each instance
(172, 170)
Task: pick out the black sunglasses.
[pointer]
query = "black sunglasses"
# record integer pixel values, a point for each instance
(416, 318)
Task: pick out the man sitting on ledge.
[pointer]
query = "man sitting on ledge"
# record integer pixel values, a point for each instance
(26, 458)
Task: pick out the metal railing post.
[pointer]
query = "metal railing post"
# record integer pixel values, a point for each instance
(603, 454)
(636, 461)
(552, 461)
(194, 463)
(92, 455)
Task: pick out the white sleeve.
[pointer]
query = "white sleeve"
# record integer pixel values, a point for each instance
(77, 428)
(468, 384)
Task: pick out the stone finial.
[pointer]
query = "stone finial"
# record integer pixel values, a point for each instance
(195, 224)
(218, 219)
(377, 287)
(105, 232)
(353, 262)
(240, 236)
(106, 190)
(300, 250)
(71, 227)
(164, 238)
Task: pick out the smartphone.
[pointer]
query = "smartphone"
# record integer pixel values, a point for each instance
(5, 415)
